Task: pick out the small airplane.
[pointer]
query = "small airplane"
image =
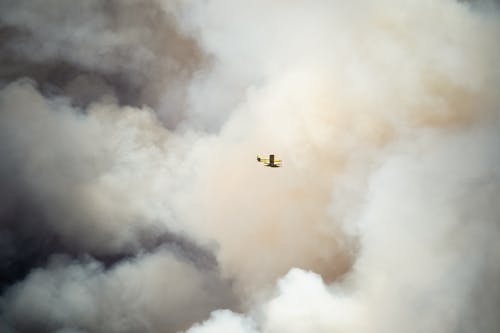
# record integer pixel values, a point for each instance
(270, 162)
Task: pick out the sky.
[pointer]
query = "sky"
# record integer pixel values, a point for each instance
(131, 199)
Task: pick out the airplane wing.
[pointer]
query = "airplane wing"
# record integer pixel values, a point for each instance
(269, 161)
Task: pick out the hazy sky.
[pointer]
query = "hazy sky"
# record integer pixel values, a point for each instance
(131, 200)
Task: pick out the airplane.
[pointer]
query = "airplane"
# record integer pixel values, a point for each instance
(270, 162)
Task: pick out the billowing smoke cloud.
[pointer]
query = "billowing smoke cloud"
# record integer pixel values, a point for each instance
(131, 50)
(429, 257)
(131, 201)
(82, 295)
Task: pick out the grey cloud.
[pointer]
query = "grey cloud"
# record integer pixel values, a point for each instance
(150, 293)
(131, 49)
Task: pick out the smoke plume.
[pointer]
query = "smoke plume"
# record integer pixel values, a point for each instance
(131, 200)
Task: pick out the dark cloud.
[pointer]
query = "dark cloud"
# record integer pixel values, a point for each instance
(152, 292)
(58, 160)
(132, 50)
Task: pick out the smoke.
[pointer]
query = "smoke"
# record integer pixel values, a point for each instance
(131, 201)
(410, 275)
(82, 295)
(131, 50)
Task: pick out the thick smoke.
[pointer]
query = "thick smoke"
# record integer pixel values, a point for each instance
(86, 50)
(430, 252)
(131, 201)
(125, 299)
